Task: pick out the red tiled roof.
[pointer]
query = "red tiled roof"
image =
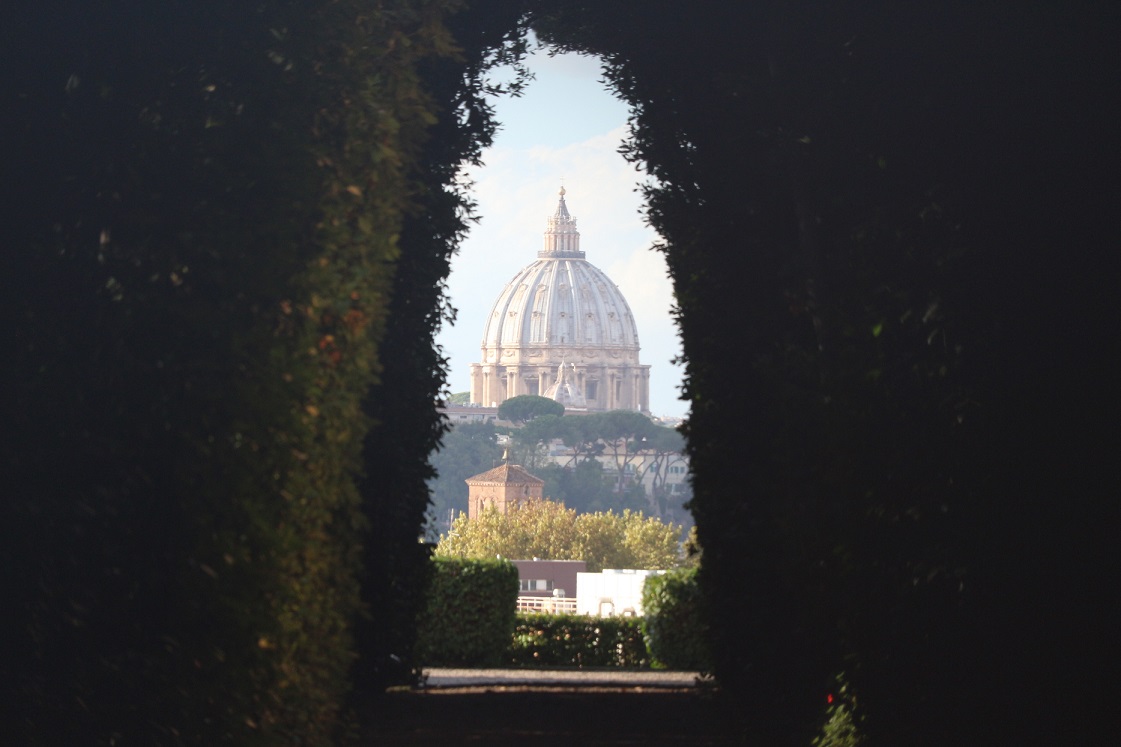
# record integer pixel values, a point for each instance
(506, 474)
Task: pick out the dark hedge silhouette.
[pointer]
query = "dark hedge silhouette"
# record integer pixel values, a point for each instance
(200, 253)
(865, 209)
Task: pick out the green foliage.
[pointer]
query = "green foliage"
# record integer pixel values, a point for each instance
(219, 196)
(446, 121)
(442, 120)
(868, 442)
(675, 624)
(542, 640)
(811, 428)
(538, 529)
(468, 617)
(526, 407)
(628, 540)
(652, 543)
(621, 435)
(531, 440)
(583, 487)
(841, 726)
(692, 548)
(467, 450)
(550, 531)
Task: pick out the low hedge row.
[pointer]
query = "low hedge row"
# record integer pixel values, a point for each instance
(578, 640)
(469, 620)
(674, 626)
(469, 616)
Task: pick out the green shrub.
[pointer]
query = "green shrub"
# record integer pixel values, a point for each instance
(469, 614)
(182, 539)
(578, 640)
(675, 629)
(842, 722)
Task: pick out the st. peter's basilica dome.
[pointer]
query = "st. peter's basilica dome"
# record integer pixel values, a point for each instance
(562, 311)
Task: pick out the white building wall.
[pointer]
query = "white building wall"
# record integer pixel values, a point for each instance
(614, 592)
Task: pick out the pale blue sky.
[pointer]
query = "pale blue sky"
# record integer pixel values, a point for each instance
(566, 126)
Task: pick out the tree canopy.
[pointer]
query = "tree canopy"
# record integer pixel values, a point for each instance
(526, 407)
(586, 488)
(467, 450)
(550, 531)
(642, 450)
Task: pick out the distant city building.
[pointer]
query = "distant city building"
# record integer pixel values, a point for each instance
(561, 329)
(614, 592)
(457, 414)
(505, 487)
(548, 578)
(565, 587)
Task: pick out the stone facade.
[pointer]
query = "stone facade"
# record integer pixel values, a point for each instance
(561, 320)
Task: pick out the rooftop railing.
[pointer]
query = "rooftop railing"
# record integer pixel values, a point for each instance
(549, 605)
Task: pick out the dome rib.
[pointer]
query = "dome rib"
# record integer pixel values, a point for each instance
(574, 288)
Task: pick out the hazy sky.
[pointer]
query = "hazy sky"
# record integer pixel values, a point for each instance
(566, 126)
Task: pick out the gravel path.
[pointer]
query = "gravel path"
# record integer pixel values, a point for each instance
(644, 678)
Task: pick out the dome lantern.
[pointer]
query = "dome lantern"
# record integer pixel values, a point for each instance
(561, 237)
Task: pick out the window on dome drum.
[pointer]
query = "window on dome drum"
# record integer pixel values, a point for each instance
(590, 390)
(531, 387)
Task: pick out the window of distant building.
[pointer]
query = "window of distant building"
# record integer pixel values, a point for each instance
(536, 584)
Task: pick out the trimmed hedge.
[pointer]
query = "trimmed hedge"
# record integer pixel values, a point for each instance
(675, 628)
(578, 640)
(469, 615)
(218, 195)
